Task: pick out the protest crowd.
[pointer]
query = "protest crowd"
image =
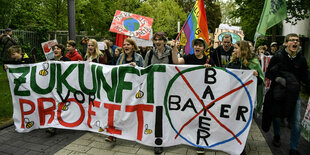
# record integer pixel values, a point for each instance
(280, 103)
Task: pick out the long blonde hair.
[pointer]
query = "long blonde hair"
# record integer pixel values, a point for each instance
(245, 53)
(97, 51)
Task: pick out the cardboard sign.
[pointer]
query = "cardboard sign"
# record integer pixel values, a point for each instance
(47, 49)
(265, 62)
(132, 25)
(219, 33)
(142, 42)
(161, 105)
(101, 46)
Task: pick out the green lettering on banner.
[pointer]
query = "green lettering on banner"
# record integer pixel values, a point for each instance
(150, 79)
(33, 82)
(122, 84)
(61, 78)
(81, 79)
(20, 80)
(110, 90)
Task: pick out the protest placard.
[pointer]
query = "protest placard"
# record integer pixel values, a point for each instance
(265, 62)
(143, 42)
(131, 25)
(219, 33)
(47, 49)
(101, 46)
(161, 105)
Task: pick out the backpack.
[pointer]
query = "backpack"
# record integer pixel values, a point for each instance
(151, 55)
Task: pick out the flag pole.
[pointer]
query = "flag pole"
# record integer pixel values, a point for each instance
(184, 24)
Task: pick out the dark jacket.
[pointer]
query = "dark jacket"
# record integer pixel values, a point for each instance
(7, 43)
(280, 101)
(238, 65)
(24, 60)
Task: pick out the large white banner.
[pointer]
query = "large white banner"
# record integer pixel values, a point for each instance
(162, 105)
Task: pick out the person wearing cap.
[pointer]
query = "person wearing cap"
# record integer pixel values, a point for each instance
(222, 54)
(273, 48)
(7, 40)
(199, 58)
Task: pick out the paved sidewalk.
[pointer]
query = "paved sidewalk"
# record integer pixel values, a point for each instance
(66, 142)
(36, 142)
(93, 143)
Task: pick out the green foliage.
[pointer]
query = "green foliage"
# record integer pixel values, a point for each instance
(28, 16)
(214, 15)
(6, 107)
(7, 11)
(94, 17)
(55, 11)
(165, 14)
(226, 8)
(297, 10)
(249, 12)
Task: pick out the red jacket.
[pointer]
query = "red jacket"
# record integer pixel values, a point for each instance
(74, 56)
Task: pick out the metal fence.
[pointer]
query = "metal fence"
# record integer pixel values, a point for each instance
(26, 37)
(30, 40)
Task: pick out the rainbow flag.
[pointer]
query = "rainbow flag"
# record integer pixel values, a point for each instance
(196, 26)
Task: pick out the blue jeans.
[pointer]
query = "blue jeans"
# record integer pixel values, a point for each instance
(295, 121)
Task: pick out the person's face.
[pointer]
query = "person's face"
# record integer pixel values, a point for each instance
(110, 43)
(70, 48)
(91, 47)
(274, 48)
(16, 55)
(226, 43)
(237, 50)
(159, 42)
(57, 51)
(251, 46)
(261, 51)
(128, 48)
(292, 44)
(117, 53)
(9, 32)
(178, 45)
(198, 48)
(144, 49)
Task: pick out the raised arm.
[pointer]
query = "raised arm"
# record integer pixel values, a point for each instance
(175, 58)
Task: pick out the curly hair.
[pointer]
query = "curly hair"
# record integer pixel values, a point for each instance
(246, 53)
